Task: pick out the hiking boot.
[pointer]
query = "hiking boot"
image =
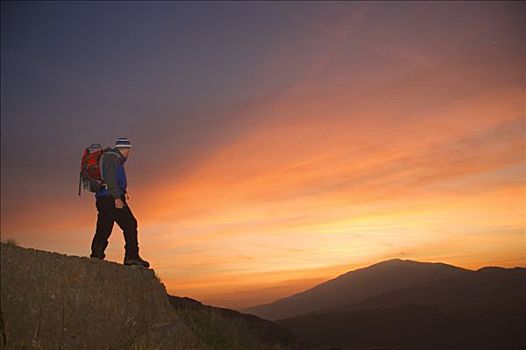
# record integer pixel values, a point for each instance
(97, 251)
(136, 261)
(100, 257)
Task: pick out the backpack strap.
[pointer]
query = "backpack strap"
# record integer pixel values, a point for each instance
(101, 160)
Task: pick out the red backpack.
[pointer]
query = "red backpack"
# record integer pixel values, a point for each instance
(90, 168)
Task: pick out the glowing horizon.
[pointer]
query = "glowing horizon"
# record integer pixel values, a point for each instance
(362, 140)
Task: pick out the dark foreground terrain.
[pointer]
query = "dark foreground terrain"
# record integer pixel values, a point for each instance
(405, 304)
(54, 301)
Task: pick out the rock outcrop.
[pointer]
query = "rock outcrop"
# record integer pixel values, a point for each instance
(54, 301)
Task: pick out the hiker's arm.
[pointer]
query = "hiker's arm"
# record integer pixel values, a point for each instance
(109, 169)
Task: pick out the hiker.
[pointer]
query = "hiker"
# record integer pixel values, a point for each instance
(112, 207)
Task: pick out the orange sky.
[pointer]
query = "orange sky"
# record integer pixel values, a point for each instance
(422, 157)
(317, 199)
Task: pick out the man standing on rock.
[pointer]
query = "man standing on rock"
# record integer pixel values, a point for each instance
(112, 207)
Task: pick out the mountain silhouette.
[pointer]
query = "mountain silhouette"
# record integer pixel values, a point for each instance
(488, 285)
(483, 309)
(357, 285)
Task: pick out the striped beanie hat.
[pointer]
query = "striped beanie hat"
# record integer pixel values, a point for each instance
(123, 142)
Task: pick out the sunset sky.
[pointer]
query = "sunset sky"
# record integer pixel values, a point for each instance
(275, 145)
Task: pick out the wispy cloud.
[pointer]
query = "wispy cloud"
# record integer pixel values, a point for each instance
(361, 132)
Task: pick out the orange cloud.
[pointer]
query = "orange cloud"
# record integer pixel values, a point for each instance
(374, 149)
(308, 195)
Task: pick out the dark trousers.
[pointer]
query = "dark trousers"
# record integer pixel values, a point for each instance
(107, 215)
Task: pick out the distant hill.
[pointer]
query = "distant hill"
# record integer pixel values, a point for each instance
(488, 285)
(357, 285)
(54, 301)
(484, 309)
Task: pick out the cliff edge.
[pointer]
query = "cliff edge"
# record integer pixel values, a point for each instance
(54, 301)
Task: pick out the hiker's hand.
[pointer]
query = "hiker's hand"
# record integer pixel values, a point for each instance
(119, 204)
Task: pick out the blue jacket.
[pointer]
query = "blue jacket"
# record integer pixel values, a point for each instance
(113, 174)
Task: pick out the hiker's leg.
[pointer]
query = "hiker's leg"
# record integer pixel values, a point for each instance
(128, 224)
(105, 219)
